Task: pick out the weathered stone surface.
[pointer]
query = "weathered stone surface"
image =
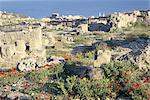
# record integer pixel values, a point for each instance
(7, 51)
(139, 53)
(104, 57)
(123, 20)
(96, 73)
(17, 45)
(51, 36)
(20, 46)
(83, 28)
(144, 59)
(120, 20)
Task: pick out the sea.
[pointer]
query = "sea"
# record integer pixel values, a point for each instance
(44, 8)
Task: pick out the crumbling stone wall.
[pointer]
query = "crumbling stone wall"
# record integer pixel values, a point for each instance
(17, 45)
(123, 20)
(120, 20)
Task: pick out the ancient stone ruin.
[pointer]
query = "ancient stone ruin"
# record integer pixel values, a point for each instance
(15, 46)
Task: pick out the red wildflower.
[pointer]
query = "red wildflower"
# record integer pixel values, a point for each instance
(116, 83)
(136, 85)
(2, 73)
(146, 81)
(129, 90)
(98, 85)
(33, 70)
(46, 65)
(13, 70)
(148, 94)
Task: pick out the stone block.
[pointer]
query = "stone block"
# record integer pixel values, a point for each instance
(20, 45)
(103, 58)
(7, 51)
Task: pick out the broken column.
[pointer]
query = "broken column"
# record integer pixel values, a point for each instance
(36, 40)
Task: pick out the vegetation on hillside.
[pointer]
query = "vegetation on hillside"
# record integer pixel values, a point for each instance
(119, 80)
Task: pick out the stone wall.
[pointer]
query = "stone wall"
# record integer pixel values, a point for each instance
(15, 46)
(123, 20)
(120, 20)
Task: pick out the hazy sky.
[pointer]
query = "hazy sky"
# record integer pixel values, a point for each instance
(76, 0)
(82, 7)
(148, 1)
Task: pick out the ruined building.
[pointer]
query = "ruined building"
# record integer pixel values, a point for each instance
(15, 46)
(123, 20)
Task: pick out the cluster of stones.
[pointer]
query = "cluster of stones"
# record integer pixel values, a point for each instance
(138, 53)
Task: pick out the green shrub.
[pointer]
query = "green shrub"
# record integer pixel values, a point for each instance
(44, 75)
(114, 69)
(83, 88)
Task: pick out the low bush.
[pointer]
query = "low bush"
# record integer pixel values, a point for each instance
(44, 75)
(121, 80)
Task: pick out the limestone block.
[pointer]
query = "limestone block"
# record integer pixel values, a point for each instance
(35, 39)
(84, 27)
(45, 41)
(7, 51)
(103, 58)
(36, 34)
(51, 37)
(20, 45)
(35, 44)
